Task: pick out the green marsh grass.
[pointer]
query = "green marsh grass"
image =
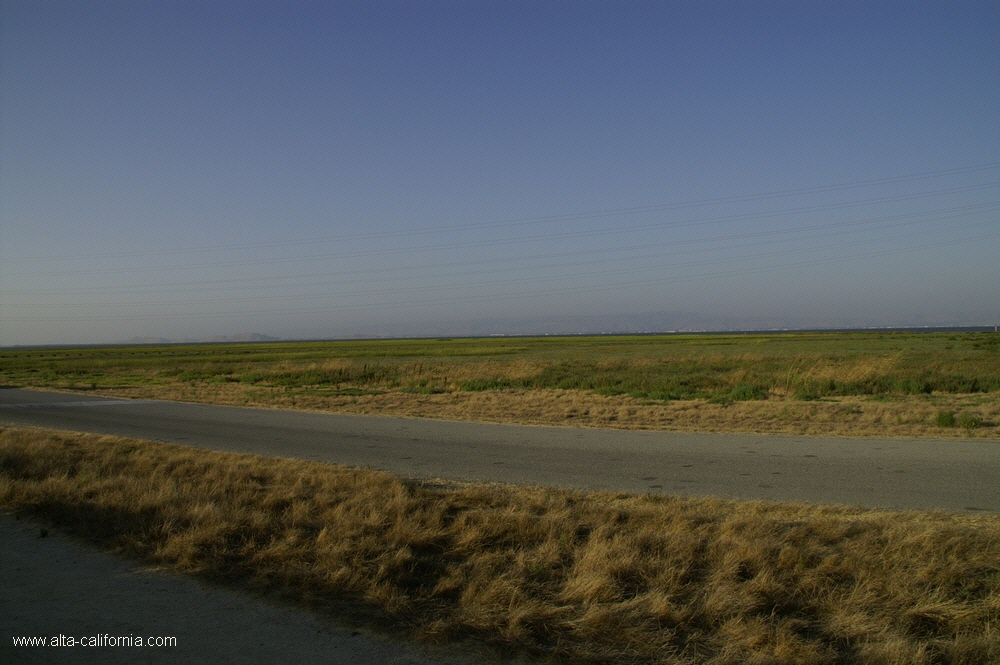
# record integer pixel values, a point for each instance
(808, 368)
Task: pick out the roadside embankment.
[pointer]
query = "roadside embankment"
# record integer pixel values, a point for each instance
(553, 573)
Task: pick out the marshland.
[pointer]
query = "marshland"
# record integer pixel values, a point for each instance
(835, 383)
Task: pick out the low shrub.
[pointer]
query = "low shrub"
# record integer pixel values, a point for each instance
(743, 392)
(486, 384)
(969, 421)
(944, 419)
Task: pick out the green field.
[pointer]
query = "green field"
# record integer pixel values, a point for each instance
(660, 367)
(958, 372)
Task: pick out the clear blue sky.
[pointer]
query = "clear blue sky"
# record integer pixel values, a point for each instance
(310, 169)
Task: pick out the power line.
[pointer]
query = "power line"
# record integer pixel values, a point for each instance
(566, 290)
(593, 214)
(388, 274)
(510, 296)
(537, 238)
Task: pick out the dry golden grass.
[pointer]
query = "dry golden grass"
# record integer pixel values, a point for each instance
(571, 576)
(903, 416)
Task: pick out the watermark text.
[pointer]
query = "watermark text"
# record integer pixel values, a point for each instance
(101, 640)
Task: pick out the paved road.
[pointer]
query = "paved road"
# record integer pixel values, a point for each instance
(960, 475)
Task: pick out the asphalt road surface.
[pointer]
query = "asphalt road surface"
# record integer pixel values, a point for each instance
(957, 475)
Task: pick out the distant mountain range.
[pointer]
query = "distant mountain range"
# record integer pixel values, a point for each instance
(648, 322)
(218, 339)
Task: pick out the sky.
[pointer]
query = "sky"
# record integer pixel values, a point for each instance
(330, 169)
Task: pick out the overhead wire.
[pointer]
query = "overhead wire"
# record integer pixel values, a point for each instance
(524, 239)
(678, 247)
(500, 289)
(512, 281)
(386, 272)
(527, 294)
(450, 228)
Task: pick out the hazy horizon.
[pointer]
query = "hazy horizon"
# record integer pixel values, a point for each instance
(558, 327)
(319, 170)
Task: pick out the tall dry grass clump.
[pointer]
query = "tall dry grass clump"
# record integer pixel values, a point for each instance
(572, 576)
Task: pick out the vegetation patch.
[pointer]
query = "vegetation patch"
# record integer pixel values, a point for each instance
(959, 372)
(944, 419)
(486, 384)
(743, 392)
(969, 421)
(558, 575)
